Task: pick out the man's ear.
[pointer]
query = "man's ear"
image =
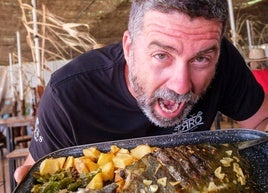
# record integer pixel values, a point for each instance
(126, 44)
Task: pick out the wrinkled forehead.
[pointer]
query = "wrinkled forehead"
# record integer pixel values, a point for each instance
(179, 23)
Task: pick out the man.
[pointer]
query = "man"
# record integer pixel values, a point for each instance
(172, 73)
(258, 62)
(257, 59)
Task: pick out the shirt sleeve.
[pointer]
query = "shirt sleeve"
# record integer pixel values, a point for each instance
(242, 95)
(53, 129)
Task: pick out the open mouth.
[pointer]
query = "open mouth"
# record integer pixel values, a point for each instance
(168, 106)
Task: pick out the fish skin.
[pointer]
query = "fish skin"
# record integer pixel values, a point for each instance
(148, 168)
(176, 164)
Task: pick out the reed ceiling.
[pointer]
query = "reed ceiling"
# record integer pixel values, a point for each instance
(107, 20)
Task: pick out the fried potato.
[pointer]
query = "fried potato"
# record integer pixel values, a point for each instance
(93, 153)
(114, 149)
(69, 162)
(81, 164)
(121, 160)
(51, 165)
(123, 150)
(140, 151)
(105, 158)
(107, 171)
(96, 182)
(92, 166)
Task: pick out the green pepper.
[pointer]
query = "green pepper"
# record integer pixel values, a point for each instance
(74, 186)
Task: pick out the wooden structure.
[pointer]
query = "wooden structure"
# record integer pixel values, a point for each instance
(107, 20)
(15, 159)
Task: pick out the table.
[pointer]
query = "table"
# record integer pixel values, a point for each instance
(15, 156)
(12, 122)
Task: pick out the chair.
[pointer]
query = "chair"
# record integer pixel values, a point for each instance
(262, 77)
(23, 140)
(3, 182)
(15, 159)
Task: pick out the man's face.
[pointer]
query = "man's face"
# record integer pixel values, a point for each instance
(170, 64)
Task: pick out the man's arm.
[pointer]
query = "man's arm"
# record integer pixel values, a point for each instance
(23, 170)
(259, 120)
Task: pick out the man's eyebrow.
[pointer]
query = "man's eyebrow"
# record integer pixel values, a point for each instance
(161, 45)
(213, 48)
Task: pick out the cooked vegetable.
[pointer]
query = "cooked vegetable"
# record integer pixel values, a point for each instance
(92, 152)
(141, 150)
(91, 171)
(68, 179)
(69, 162)
(96, 182)
(105, 158)
(107, 171)
(121, 160)
(50, 166)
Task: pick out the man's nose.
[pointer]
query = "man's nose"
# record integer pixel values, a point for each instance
(180, 80)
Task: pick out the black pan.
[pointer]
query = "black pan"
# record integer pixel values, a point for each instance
(257, 156)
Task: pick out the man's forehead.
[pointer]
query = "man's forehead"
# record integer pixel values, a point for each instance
(175, 23)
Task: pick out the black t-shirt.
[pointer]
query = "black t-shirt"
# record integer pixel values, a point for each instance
(87, 101)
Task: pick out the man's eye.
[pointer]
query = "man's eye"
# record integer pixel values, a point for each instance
(160, 56)
(201, 62)
(201, 59)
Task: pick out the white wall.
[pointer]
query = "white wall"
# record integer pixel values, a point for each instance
(30, 79)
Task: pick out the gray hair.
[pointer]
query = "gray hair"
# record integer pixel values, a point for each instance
(210, 9)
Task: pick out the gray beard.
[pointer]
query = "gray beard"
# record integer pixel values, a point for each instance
(146, 104)
(147, 108)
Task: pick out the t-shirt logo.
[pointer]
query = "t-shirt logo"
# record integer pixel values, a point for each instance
(37, 136)
(190, 123)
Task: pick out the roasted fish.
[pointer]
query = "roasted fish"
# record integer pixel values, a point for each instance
(201, 168)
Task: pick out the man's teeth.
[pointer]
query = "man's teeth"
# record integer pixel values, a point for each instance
(169, 106)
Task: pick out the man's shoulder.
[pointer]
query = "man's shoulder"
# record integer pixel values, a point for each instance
(89, 62)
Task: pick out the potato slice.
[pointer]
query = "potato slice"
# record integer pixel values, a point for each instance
(123, 150)
(81, 164)
(93, 153)
(107, 171)
(51, 165)
(140, 151)
(69, 163)
(92, 166)
(104, 158)
(96, 182)
(114, 149)
(121, 160)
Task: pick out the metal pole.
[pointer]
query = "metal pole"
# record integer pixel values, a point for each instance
(36, 41)
(232, 21)
(20, 67)
(11, 76)
(249, 34)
